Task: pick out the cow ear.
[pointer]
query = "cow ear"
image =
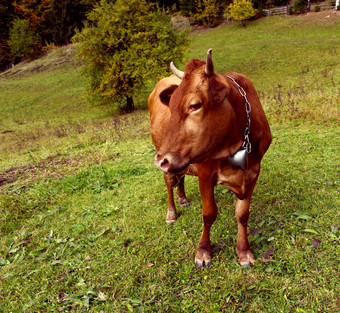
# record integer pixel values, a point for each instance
(219, 90)
(166, 94)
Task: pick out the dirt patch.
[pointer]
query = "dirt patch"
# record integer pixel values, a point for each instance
(47, 167)
(53, 166)
(7, 132)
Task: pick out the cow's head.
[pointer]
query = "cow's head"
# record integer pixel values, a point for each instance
(201, 117)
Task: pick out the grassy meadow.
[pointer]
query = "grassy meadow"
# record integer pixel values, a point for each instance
(82, 207)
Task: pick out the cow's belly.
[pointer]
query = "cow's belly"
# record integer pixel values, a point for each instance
(235, 180)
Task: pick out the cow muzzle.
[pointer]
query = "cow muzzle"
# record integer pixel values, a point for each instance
(170, 163)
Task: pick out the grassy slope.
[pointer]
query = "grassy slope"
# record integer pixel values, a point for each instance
(294, 62)
(82, 218)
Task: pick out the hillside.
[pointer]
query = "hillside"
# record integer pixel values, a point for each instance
(82, 207)
(293, 62)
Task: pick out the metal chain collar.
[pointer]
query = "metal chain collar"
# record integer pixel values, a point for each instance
(246, 142)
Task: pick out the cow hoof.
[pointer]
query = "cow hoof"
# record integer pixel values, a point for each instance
(183, 202)
(245, 264)
(169, 222)
(171, 216)
(200, 263)
(248, 260)
(202, 260)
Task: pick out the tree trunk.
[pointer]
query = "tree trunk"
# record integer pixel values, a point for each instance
(130, 106)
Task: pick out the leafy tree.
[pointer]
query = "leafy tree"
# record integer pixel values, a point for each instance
(204, 12)
(61, 21)
(126, 44)
(23, 41)
(36, 12)
(63, 18)
(54, 20)
(208, 12)
(241, 10)
(6, 19)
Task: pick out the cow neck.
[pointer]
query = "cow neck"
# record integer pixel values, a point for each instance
(240, 158)
(246, 142)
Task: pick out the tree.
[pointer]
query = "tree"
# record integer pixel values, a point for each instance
(23, 41)
(64, 17)
(241, 10)
(36, 12)
(208, 12)
(6, 20)
(54, 20)
(125, 44)
(204, 12)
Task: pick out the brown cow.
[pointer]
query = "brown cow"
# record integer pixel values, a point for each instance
(213, 126)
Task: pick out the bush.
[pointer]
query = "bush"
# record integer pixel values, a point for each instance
(241, 10)
(300, 6)
(23, 42)
(317, 8)
(208, 13)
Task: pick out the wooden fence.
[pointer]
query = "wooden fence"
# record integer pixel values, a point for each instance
(276, 11)
(285, 9)
(325, 5)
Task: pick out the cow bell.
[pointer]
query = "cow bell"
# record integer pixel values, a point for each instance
(239, 159)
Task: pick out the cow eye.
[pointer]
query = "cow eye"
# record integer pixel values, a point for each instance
(195, 107)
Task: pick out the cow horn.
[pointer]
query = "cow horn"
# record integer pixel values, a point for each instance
(176, 71)
(209, 68)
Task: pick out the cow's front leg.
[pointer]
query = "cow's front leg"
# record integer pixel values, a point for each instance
(246, 258)
(203, 255)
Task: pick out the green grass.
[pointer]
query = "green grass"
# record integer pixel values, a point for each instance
(82, 207)
(293, 62)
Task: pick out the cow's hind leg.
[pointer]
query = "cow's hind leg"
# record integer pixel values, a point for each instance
(182, 198)
(170, 182)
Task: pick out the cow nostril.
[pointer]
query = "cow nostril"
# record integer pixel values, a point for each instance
(164, 164)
